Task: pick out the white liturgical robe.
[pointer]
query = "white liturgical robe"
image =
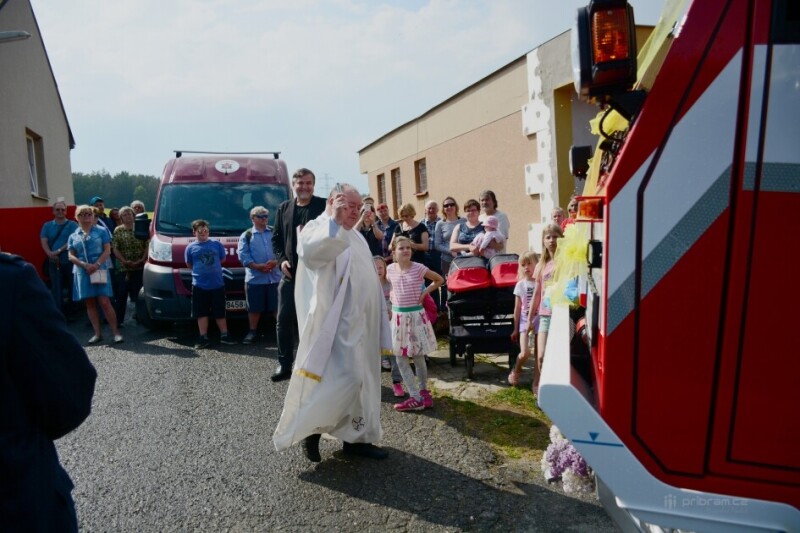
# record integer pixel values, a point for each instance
(335, 387)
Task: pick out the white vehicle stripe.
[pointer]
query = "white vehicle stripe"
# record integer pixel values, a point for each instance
(685, 194)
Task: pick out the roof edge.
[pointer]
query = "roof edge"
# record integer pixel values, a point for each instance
(53, 76)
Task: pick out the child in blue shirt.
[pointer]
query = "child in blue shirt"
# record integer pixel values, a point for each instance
(205, 258)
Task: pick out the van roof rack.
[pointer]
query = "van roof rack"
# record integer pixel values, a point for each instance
(179, 153)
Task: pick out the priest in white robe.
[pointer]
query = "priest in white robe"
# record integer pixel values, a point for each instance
(335, 387)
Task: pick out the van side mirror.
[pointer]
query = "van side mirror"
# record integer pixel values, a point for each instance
(141, 227)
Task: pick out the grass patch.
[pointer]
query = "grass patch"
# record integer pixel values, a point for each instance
(508, 420)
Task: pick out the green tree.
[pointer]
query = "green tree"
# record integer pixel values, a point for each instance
(140, 194)
(118, 190)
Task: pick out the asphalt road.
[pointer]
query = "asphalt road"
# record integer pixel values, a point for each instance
(180, 440)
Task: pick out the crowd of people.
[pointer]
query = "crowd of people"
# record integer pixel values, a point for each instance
(96, 260)
(315, 243)
(333, 382)
(355, 286)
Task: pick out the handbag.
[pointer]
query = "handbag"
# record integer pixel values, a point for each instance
(99, 277)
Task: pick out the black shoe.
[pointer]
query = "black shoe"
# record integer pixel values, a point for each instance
(282, 373)
(202, 342)
(227, 339)
(364, 449)
(311, 448)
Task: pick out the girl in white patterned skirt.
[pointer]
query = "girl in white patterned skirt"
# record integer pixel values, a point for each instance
(412, 332)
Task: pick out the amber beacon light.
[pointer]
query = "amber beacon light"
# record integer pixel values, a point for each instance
(604, 49)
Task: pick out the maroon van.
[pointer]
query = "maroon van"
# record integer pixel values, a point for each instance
(220, 188)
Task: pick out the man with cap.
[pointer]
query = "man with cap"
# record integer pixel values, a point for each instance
(262, 273)
(102, 219)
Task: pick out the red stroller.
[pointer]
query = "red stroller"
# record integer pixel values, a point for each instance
(481, 307)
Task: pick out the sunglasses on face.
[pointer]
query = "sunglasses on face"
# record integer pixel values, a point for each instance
(86, 215)
(263, 216)
(448, 205)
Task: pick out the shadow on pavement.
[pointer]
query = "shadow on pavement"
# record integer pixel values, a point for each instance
(443, 496)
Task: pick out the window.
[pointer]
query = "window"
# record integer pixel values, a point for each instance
(36, 164)
(397, 190)
(226, 206)
(382, 189)
(421, 173)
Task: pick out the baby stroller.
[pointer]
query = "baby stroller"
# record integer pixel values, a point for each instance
(481, 307)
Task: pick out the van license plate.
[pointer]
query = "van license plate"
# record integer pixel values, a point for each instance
(235, 305)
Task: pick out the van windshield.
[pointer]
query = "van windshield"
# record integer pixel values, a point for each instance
(226, 206)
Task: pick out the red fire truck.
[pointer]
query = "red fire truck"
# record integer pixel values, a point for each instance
(689, 414)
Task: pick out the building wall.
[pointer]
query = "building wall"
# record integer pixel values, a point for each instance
(558, 119)
(470, 143)
(30, 103)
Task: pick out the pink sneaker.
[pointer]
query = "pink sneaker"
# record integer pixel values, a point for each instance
(513, 378)
(427, 399)
(398, 390)
(409, 405)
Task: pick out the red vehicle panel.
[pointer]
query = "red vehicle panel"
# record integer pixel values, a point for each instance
(694, 362)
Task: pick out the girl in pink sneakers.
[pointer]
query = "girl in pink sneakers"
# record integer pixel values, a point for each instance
(412, 332)
(523, 294)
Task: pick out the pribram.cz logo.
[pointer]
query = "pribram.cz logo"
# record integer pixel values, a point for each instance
(720, 503)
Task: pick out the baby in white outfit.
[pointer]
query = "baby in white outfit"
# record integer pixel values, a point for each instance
(482, 240)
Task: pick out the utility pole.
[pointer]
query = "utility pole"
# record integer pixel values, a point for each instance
(327, 183)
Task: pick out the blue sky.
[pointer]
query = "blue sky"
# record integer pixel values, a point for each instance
(314, 80)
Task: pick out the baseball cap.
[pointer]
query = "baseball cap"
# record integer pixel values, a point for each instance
(95, 199)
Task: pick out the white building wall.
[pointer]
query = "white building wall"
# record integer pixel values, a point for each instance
(539, 176)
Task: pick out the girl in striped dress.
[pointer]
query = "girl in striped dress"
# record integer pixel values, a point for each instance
(412, 332)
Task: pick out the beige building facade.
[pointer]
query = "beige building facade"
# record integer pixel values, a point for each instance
(509, 132)
(35, 137)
